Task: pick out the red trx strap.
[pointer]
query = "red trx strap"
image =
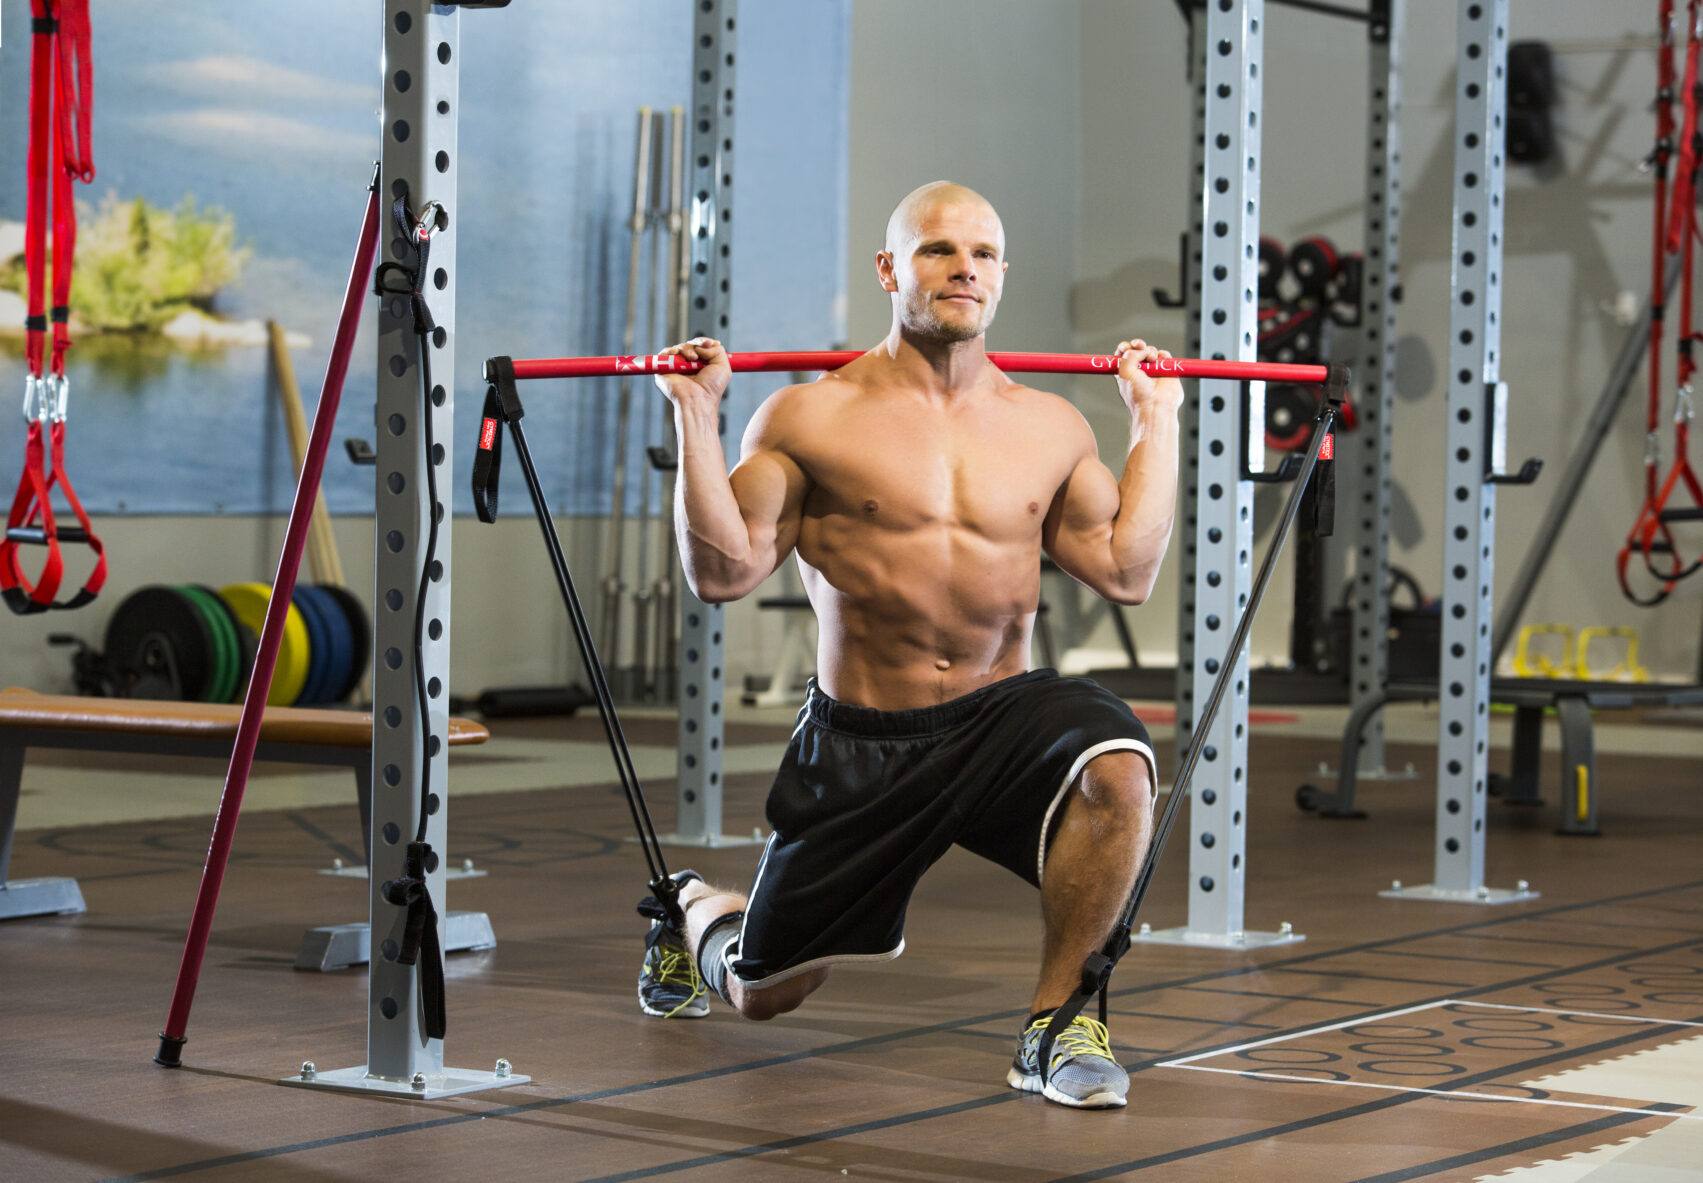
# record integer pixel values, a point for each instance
(1675, 230)
(61, 94)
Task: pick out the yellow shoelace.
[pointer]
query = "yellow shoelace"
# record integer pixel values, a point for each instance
(677, 968)
(1084, 1037)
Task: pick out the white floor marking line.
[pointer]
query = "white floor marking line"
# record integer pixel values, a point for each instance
(1584, 1014)
(1260, 1074)
(1185, 1061)
(1189, 1062)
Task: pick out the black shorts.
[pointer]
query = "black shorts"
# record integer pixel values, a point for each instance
(865, 801)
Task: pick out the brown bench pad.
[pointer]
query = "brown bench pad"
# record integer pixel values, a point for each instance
(25, 709)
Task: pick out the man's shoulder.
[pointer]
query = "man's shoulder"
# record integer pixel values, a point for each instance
(792, 411)
(806, 399)
(1047, 406)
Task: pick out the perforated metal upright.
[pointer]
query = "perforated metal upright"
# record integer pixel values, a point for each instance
(1217, 537)
(1188, 477)
(710, 246)
(421, 96)
(1367, 451)
(1477, 408)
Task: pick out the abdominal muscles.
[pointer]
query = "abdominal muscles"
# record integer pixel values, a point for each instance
(917, 615)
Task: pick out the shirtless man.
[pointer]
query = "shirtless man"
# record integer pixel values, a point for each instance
(919, 485)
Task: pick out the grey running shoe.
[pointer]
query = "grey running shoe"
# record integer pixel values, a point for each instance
(1083, 1075)
(669, 984)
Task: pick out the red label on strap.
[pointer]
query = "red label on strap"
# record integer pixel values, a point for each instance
(1327, 450)
(487, 435)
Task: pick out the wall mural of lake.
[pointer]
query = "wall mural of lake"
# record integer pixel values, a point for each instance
(232, 155)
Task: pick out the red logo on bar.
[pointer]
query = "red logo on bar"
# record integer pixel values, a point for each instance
(488, 435)
(1327, 450)
(628, 365)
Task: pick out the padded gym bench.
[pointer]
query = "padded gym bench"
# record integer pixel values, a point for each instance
(1574, 703)
(144, 727)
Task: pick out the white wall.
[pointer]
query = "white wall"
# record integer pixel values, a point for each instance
(961, 90)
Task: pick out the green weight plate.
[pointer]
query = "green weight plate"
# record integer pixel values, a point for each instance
(221, 684)
(241, 636)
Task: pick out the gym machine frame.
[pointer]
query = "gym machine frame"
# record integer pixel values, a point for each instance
(1477, 445)
(1226, 53)
(421, 159)
(1223, 457)
(1367, 450)
(702, 678)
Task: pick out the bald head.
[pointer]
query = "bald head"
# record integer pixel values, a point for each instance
(914, 210)
(943, 263)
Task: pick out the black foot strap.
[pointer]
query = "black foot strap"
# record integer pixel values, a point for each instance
(420, 935)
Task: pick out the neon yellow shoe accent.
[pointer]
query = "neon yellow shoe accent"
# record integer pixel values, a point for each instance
(1083, 1073)
(669, 979)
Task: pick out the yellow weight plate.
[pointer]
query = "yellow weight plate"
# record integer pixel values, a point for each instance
(289, 675)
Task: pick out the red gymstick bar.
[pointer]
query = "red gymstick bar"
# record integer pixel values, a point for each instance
(1011, 363)
(271, 636)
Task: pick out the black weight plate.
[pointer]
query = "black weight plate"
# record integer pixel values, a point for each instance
(1273, 259)
(1289, 414)
(158, 644)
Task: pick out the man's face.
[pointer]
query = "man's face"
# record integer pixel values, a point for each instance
(948, 271)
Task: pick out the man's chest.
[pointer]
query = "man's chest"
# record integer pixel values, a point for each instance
(993, 474)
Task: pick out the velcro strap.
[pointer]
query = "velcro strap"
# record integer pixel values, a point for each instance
(43, 26)
(61, 314)
(36, 323)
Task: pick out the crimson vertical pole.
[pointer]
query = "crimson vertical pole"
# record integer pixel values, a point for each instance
(173, 1038)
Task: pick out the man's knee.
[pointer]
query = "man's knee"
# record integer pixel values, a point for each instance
(767, 1003)
(1118, 783)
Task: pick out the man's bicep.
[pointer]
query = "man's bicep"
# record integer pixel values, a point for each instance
(768, 482)
(769, 487)
(1077, 533)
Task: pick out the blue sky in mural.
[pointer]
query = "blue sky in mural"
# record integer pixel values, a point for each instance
(276, 122)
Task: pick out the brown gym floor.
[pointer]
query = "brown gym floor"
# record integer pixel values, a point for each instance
(893, 1073)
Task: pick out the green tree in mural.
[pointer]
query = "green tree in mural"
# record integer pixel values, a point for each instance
(138, 265)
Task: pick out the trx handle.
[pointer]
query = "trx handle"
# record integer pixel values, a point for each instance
(502, 405)
(38, 535)
(1097, 969)
(31, 520)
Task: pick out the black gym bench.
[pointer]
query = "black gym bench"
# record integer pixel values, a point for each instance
(1574, 703)
(146, 727)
